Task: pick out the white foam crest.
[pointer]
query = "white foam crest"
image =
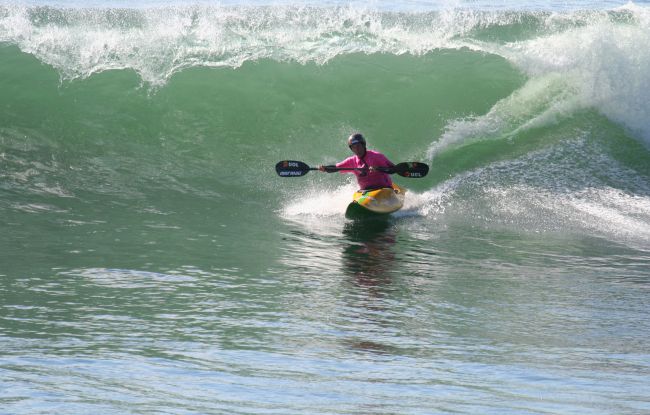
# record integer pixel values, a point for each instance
(589, 60)
(605, 60)
(158, 42)
(541, 101)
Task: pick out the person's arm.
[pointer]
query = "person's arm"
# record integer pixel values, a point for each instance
(348, 163)
(326, 169)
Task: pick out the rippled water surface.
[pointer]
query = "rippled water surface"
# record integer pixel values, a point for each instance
(373, 321)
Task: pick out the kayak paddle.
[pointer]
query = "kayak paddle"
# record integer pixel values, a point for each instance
(292, 168)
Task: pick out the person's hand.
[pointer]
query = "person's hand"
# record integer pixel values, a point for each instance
(321, 167)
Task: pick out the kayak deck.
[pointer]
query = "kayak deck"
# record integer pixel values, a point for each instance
(376, 202)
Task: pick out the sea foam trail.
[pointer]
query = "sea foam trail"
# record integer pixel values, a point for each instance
(570, 187)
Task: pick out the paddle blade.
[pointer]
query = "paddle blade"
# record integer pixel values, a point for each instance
(412, 169)
(291, 168)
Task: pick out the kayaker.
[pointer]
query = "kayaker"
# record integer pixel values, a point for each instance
(366, 159)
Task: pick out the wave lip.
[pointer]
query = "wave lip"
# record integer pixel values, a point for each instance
(157, 42)
(596, 54)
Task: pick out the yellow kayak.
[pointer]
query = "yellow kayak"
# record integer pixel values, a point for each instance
(378, 201)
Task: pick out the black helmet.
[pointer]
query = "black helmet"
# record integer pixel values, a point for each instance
(356, 138)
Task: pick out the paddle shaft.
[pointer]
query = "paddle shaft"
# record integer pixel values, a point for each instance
(292, 168)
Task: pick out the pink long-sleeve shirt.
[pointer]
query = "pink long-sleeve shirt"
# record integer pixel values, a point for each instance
(368, 179)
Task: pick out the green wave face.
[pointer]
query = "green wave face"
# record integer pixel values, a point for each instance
(174, 108)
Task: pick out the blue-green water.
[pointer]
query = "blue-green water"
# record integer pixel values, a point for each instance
(151, 261)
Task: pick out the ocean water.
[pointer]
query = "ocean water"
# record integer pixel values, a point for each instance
(152, 262)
